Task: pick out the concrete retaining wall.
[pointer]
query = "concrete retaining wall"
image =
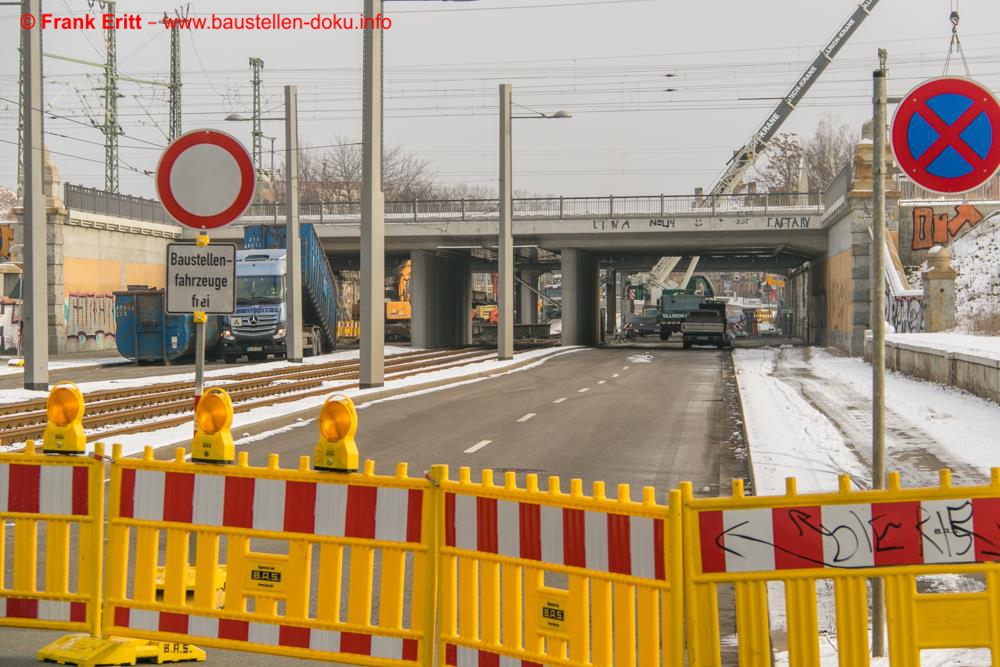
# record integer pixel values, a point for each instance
(975, 374)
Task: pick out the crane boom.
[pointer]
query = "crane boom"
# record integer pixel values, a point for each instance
(744, 158)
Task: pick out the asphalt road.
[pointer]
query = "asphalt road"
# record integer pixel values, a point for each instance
(639, 415)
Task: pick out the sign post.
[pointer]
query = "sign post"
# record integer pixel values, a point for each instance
(946, 135)
(205, 180)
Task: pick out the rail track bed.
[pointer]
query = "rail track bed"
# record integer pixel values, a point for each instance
(114, 412)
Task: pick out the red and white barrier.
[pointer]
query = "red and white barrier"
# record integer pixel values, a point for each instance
(601, 541)
(266, 634)
(460, 656)
(43, 610)
(925, 532)
(327, 509)
(60, 490)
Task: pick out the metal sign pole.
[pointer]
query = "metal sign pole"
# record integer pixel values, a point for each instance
(199, 318)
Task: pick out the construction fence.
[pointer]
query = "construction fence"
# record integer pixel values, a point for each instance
(369, 569)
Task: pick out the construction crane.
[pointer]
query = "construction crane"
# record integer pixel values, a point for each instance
(744, 158)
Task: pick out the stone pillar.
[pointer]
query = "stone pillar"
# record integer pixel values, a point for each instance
(56, 215)
(581, 293)
(939, 291)
(441, 300)
(528, 301)
(611, 300)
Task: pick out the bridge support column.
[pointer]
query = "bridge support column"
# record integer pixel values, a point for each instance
(581, 293)
(441, 300)
(611, 299)
(528, 303)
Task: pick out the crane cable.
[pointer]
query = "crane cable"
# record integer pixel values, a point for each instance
(956, 43)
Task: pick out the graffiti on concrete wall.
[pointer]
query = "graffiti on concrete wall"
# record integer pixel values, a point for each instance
(90, 317)
(905, 313)
(931, 229)
(6, 240)
(10, 326)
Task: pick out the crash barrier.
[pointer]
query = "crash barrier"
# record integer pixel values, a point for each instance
(348, 329)
(286, 537)
(805, 542)
(53, 506)
(532, 577)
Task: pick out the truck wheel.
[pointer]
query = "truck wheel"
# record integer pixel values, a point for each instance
(228, 359)
(687, 345)
(664, 335)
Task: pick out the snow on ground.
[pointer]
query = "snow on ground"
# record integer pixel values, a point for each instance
(62, 364)
(18, 395)
(976, 259)
(134, 443)
(951, 341)
(798, 404)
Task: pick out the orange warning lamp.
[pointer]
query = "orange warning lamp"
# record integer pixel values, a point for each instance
(336, 449)
(64, 431)
(213, 443)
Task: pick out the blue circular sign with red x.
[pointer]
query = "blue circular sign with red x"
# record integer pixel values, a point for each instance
(946, 135)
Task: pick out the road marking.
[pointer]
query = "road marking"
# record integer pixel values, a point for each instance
(580, 391)
(624, 368)
(615, 375)
(525, 417)
(559, 400)
(476, 447)
(602, 382)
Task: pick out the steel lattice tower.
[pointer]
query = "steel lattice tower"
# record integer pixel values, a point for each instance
(175, 76)
(111, 130)
(257, 65)
(20, 120)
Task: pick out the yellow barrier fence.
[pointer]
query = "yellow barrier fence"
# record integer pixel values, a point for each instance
(348, 328)
(54, 506)
(795, 541)
(286, 537)
(532, 577)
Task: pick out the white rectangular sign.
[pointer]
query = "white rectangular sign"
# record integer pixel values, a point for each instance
(201, 278)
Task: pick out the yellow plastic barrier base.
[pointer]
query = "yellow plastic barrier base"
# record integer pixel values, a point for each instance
(87, 651)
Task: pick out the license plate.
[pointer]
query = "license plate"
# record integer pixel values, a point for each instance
(255, 349)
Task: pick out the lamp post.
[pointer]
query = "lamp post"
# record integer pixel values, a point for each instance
(505, 249)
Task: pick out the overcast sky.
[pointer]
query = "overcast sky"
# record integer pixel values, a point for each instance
(661, 91)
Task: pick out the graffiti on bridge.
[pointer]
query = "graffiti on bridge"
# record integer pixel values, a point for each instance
(904, 313)
(90, 317)
(852, 536)
(931, 229)
(6, 240)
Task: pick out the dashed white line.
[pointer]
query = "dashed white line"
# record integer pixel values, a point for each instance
(615, 375)
(476, 447)
(526, 417)
(580, 391)
(624, 368)
(559, 400)
(602, 382)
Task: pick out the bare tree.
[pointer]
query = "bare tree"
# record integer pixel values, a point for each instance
(828, 151)
(8, 200)
(782, 164)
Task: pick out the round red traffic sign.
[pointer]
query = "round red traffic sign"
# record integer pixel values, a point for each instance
(946, 135)
(205, 179)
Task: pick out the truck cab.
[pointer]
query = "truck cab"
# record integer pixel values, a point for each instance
(257, 328)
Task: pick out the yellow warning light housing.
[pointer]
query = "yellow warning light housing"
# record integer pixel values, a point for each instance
(64, 431)
(336, 449)
(213, 443)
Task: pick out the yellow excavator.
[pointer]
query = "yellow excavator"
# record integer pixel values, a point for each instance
(397, 304)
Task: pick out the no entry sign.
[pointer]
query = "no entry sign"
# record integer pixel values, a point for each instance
(946, 135)
(205, 179)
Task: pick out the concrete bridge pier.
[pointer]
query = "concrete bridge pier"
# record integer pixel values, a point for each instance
(528, 301)
(441, 301)
(581, 293)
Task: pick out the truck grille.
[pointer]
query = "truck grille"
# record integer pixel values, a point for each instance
(256, 325)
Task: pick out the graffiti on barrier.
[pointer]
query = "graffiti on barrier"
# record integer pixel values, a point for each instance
(905, 313)
(90, 317)
(852, 536)
(931, 229)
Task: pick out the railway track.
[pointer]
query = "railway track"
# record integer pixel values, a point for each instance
(114, 412)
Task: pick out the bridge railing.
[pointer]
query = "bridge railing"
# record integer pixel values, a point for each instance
(474, 210)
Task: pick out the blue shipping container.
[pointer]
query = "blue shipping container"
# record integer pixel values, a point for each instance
(144, 332)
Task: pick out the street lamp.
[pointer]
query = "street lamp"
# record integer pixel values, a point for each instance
(505, 258)
(238, 117)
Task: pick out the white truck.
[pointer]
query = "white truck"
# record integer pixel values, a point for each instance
(705, 327)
